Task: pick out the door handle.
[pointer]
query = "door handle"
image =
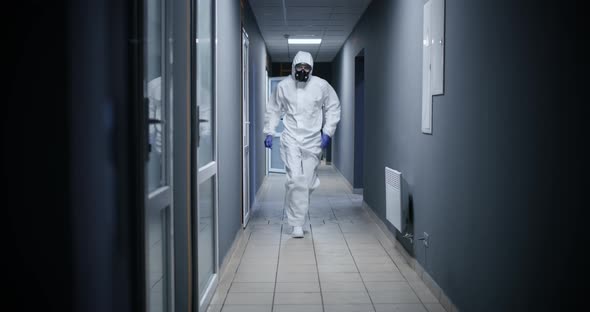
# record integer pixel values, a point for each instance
(146, 128)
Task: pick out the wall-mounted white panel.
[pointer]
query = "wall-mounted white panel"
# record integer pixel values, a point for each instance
(426, 71)
(437, 23)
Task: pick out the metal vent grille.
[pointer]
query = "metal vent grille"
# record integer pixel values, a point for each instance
(393, 197)
(392, 178)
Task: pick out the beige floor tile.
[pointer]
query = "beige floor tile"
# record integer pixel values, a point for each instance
(260, 260)
(298, 298)
(338, 268)
(336, 253)
(349, 308)
(292, 277)
(298, 287)
(333, 286)
(262, 248)
(285, 260)
(249, 298)
(362, 259)
(309, 253)
(257, 267)
(400, 307)
(397, 296)
(290, 267)
(377, 267)
(368, 245)
(298, 308)
(346, 297)
(295, 248)
(327, 260)
(370, 253)
(340, 277)
(252, 287)
(255, 277)
(382, 277)
(246, 308)
(434, 307)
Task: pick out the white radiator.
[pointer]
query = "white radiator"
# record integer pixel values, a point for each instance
(393, 197)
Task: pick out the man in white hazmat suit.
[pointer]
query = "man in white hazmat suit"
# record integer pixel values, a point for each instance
(311, 111)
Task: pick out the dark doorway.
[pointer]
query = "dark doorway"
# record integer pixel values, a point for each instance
(359, 119)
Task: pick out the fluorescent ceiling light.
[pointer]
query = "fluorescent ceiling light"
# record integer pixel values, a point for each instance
(304, 41)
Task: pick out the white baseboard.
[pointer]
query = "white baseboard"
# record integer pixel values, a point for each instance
(444, 300)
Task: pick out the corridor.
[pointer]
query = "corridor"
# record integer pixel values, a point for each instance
(137, 155)
(345, 263)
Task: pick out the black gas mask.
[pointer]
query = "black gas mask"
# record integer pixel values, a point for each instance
(302, 72)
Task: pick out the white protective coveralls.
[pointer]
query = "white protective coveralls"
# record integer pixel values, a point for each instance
(308, 108)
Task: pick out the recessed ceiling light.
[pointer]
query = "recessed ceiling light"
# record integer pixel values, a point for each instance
(304, 41)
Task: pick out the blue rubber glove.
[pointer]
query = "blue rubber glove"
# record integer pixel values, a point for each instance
(325, 140)
(268, 141)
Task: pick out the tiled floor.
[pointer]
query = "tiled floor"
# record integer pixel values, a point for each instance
(344, 263)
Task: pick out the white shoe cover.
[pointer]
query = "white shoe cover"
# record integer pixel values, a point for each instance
(297, 232)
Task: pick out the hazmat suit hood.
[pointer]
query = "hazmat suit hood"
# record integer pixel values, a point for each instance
(302, 57)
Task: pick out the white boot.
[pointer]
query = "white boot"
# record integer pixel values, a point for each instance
(297, 232)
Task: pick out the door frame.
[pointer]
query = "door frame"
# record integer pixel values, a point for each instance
(359, 122)
(269, 167)
(159, 201)
(245, 128)
(208, 171)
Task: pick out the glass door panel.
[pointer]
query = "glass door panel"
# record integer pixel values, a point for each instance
(205, 224)
(206, 233)
(158, 208)
(273, 156)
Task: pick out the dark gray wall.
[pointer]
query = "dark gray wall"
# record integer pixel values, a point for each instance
(258, 67)
(229, 119)
(359, 121)
(70, 209)
(499, 179)
(181, 152)
(343, 83)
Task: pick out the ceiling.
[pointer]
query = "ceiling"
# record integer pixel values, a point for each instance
(330, 20)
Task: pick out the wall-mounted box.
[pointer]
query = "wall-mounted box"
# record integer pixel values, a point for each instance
(437, 26)
(432, 58)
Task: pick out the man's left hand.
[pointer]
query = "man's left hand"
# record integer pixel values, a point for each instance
(325, 140)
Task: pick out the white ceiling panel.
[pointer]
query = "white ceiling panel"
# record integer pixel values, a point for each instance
(330, 20)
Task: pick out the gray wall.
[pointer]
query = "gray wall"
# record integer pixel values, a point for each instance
(258, 67)
(229, 118)
(498, 181)
(343, 83)
(181, 157)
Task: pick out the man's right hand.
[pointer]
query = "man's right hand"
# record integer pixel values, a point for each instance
(268, 141)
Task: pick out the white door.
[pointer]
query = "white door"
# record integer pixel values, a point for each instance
(245, 131)
(273, 155)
